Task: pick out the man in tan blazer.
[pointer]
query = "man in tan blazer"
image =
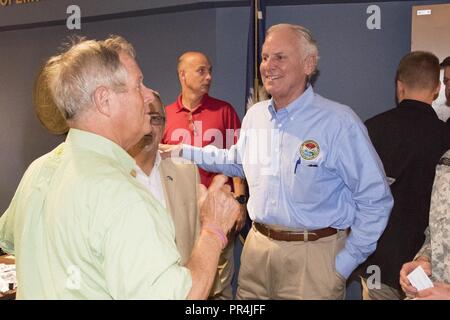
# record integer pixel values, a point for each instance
(174, 183)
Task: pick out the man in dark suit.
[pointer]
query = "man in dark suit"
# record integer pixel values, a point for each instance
(410, 139)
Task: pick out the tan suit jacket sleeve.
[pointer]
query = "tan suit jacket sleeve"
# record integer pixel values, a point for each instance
(180, 182)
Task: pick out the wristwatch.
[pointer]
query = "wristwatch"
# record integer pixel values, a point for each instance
(242, 199)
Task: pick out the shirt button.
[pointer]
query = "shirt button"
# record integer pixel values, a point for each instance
(273, 201)
(292, 118)
(280, 125)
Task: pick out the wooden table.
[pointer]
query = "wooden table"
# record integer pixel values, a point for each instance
(11, 294)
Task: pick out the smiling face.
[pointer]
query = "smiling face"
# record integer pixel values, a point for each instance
(132, 120)
(284, 67)
(195, 73)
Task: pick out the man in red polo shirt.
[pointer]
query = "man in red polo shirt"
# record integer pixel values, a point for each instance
(199, 120)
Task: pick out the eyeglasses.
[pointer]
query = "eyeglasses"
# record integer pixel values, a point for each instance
(192, 126)
(157, 120)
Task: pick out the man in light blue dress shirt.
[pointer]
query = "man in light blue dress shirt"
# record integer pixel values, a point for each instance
(313, 176)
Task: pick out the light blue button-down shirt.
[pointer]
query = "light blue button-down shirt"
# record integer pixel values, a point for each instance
(309, 165)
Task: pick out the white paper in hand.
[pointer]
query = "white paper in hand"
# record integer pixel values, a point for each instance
(419, 279)
(3, 285)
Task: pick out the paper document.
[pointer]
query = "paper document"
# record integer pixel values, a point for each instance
(7, 277)
(419, 279)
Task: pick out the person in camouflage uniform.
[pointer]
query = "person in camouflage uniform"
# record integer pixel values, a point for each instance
(434, 256)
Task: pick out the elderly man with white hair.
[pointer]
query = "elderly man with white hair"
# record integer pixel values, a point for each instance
(80, 225)
(312, 174)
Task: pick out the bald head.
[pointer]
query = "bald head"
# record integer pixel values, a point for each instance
(190, 57)
(194, 73)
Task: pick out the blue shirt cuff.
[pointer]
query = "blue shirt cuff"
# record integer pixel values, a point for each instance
(345, 263)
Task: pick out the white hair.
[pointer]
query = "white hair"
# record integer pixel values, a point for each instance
(307, 43)
(75, 74)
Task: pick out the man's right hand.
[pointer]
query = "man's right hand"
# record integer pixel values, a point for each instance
(217, 205)
(407, 268)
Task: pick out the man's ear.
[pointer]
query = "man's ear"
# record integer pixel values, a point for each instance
(436, 91)
(400, 90)
(310, 64)
(181, 74)
(102, 100)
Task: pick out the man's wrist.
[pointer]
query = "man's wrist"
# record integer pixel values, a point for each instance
(422, 258)
(211, 238)
(212, 229)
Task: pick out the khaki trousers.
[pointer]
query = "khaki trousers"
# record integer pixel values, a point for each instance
(385, 292)
(221, 288)
(272, 269)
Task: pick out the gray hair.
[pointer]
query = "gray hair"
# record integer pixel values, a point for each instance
(75, 74)
(159, 101)
(305, 40)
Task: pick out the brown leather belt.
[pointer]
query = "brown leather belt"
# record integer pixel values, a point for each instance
(307, 235)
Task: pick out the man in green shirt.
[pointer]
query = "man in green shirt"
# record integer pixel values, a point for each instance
(80, 225)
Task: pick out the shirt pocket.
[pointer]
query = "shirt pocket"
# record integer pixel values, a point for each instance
(305, 186)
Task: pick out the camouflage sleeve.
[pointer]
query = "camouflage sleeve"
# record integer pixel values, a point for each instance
(440, 202)
(425, 251)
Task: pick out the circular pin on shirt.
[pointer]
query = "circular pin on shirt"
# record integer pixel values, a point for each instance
(309, 150)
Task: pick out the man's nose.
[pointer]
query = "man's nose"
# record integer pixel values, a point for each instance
(271, 62)
(267, 64)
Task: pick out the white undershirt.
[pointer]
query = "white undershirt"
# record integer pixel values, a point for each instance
(153, 181)
(443, 111)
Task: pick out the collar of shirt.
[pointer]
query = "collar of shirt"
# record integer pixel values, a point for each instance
(153, 181)
(96, 143)
(418, 105)
(156, 165)
(292, 109)
(182, 108)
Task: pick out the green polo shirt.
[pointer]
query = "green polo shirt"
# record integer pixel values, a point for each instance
(82, 227)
